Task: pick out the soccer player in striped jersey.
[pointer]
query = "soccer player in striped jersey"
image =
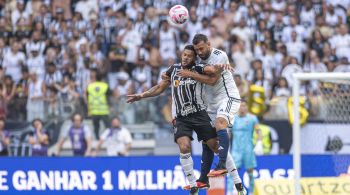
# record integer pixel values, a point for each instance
(223, 103)
(189, 112)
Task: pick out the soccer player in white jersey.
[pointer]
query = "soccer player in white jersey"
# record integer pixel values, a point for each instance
(223, 103)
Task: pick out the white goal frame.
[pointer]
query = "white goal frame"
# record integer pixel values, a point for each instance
(296, 123)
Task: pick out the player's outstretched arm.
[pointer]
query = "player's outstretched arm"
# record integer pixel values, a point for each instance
(210, 77)
(154, 91)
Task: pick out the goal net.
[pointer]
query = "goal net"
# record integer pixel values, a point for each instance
(327, 130)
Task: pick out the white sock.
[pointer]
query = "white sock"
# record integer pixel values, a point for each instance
(232, 170)
(187, 165)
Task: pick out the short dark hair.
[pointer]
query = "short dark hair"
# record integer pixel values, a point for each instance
(190, 47)
(37, 119)
(198, 38)
(76, 114)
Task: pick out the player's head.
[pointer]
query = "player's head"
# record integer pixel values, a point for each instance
(202, 46)
(77, 119)
(115, 123)
(243, 109)
(188, 56)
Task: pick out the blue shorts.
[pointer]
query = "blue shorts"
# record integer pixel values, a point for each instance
(245, 158)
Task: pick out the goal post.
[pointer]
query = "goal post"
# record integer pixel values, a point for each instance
(298, 79)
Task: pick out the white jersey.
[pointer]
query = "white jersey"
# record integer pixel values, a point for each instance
(225, 87)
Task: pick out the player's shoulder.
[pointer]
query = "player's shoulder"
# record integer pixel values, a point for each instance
(252, 116)
(176, 65)
(218, 52)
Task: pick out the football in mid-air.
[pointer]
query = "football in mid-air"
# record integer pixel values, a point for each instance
(178, 14)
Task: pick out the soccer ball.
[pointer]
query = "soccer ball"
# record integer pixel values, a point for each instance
(178, 14)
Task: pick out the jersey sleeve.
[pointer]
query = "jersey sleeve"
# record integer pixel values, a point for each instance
(255, 120)
(200, 68)
(224, 59)
(169, 70)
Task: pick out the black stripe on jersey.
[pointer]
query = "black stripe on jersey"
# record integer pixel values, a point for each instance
(202, 93)
(223, 80)
(175, 95)
(228, 95)
(187, 96)
(193, 98)
(229, 104)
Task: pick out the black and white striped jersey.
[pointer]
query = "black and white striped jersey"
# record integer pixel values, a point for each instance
(187, 94)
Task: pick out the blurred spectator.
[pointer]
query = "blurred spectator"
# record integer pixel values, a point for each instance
(340, 43)
(116, 57)
(242, 85)
(69, 97)
(13, 61)
(85, 7)
(36, 62)
(79, 135)
(4, 139)
(98, 108)
(142, 75)
(10, 91)
(244, 33)
(261, 81)
(36, 95)
(205, 9)
(194, 24)
(131, 39)
(39, 139)
(167, 41)
(19, 12)
(125, 86)
(282, 88)
(242, 58)
(332, 19)
(317, 42)
(277, 28)
(53, 77)
(133, 9)
(117, 139)
(215, 38)
(21, 96)
(294, 27)
(296, 48)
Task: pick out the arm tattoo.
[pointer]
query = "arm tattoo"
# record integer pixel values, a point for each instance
(151, 92)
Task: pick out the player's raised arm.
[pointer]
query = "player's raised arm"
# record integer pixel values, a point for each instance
(152, 92)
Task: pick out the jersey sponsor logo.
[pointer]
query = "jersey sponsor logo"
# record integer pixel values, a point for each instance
(217, 52)
(187, 82)
(188, 109)
(176, 83)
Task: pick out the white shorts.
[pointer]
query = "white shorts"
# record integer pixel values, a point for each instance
(226, 108)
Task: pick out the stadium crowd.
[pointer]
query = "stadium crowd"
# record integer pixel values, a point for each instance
(48, 49)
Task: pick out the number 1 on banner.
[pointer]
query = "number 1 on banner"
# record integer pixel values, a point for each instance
(107, 185)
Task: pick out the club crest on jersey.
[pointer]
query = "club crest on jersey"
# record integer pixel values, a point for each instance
(176, 83)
